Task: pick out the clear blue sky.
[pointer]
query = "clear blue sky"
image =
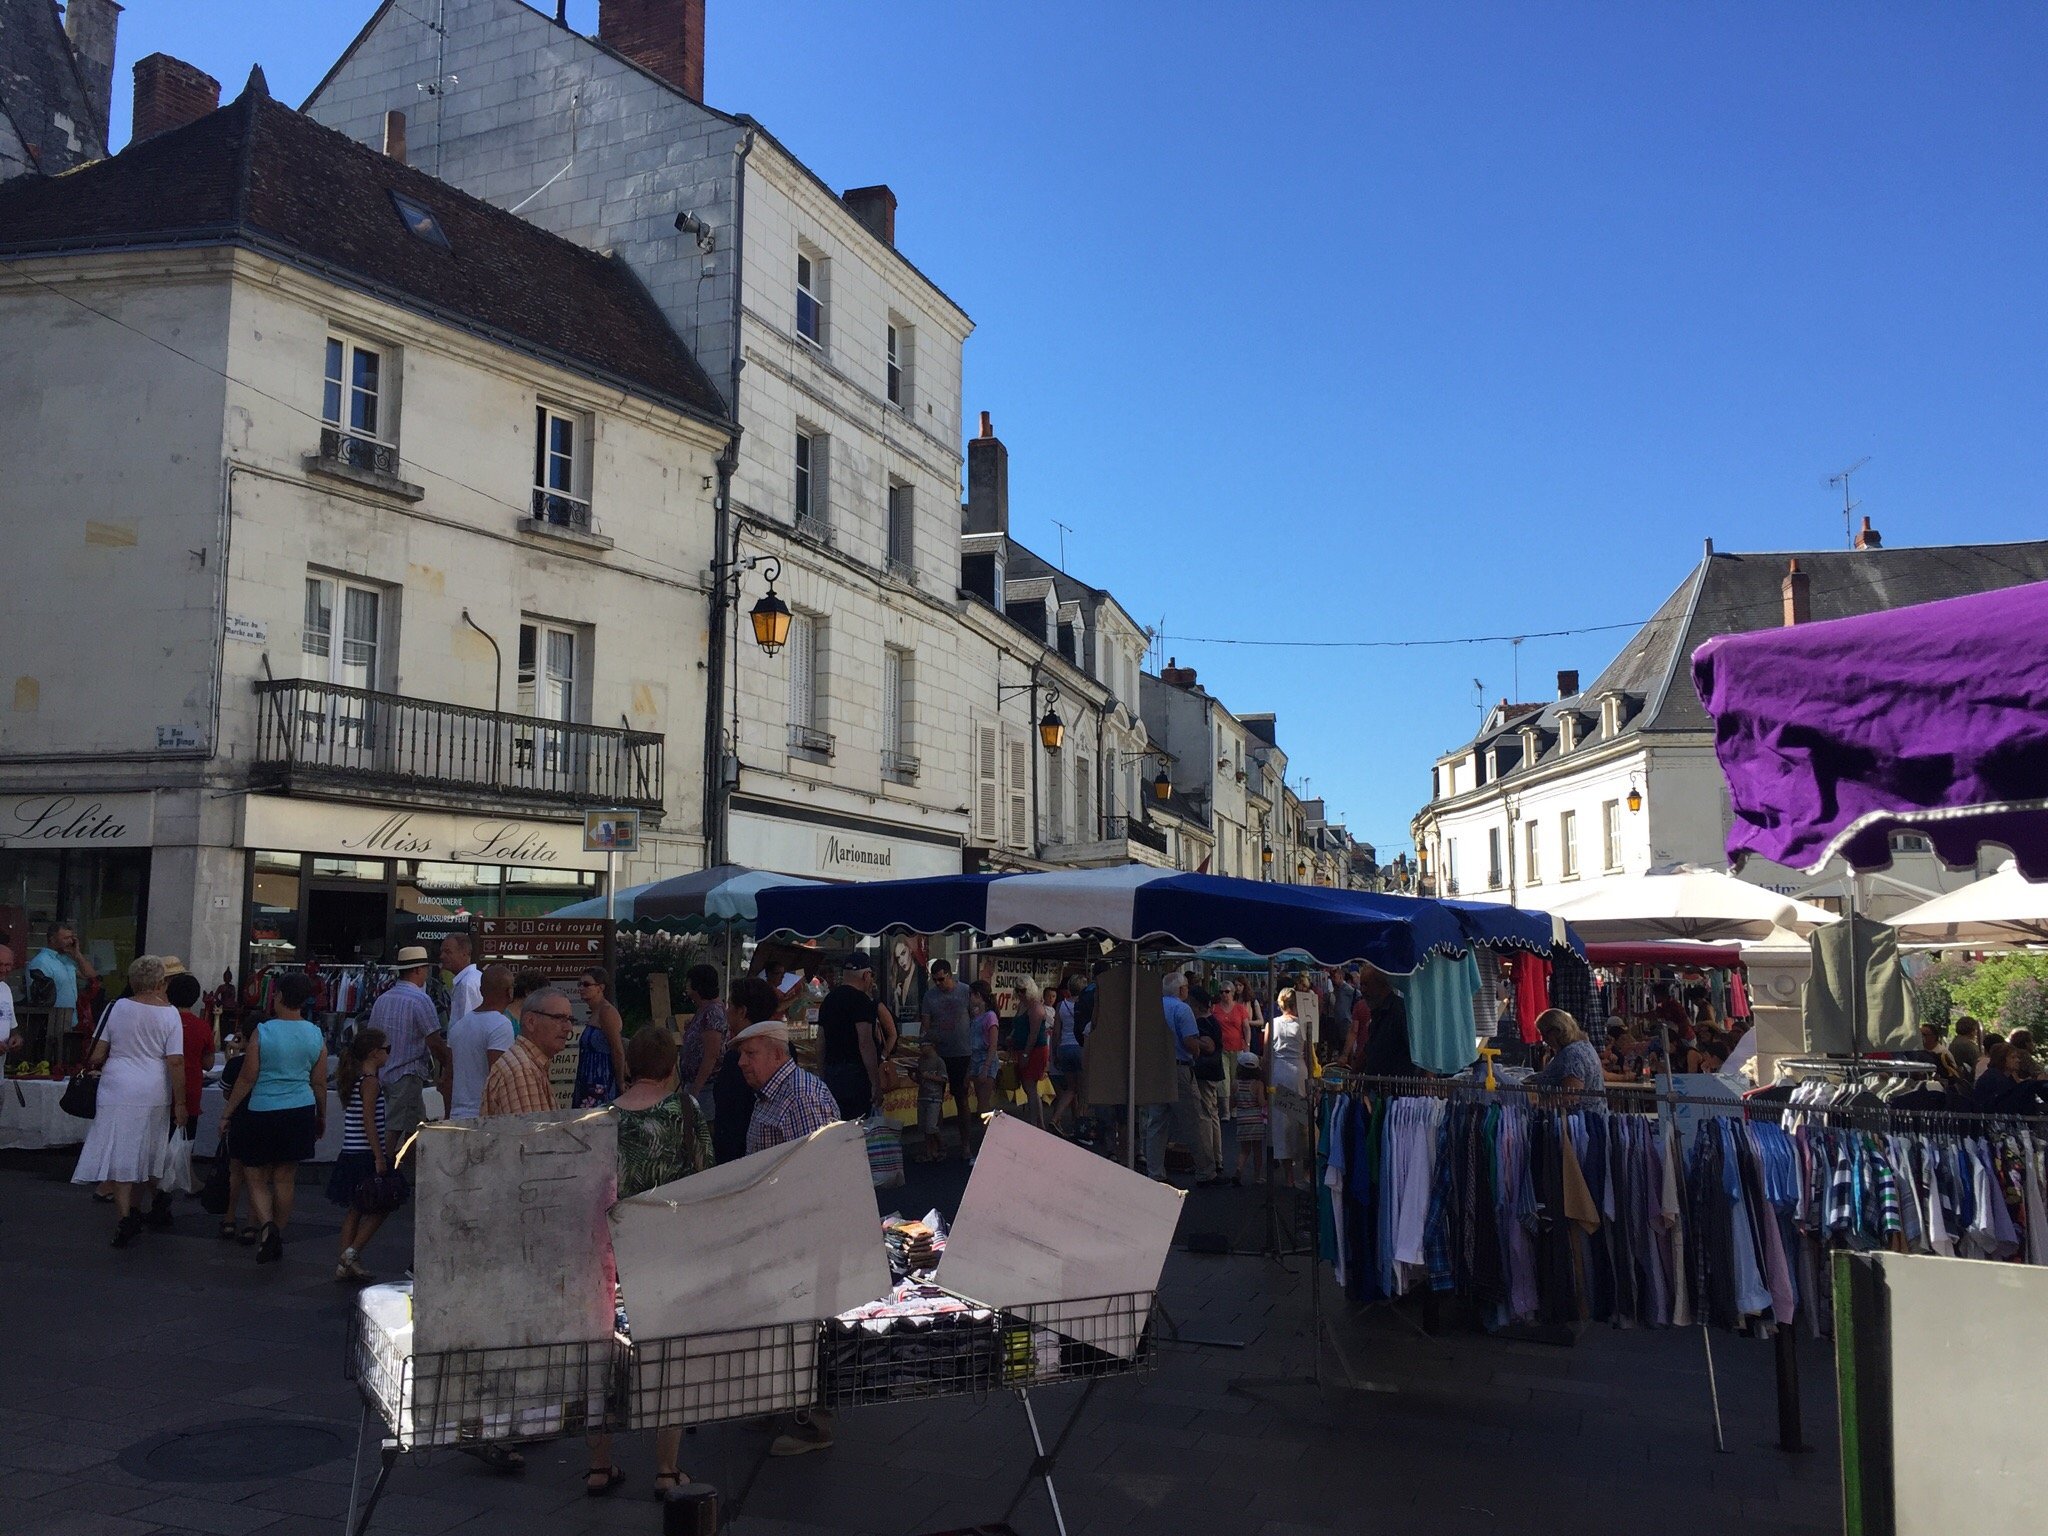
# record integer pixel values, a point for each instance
(1371, 322)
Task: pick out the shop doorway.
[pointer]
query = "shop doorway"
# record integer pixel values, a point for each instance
(346, 922)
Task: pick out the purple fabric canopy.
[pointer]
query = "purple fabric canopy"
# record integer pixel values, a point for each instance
(1930, 719)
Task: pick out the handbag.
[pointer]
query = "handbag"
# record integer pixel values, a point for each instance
(213, 1194)
(380, 1194)
(81, 1096)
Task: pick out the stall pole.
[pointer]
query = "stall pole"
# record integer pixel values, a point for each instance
(1131, 1077)
(610, 885)
(1713, 1390)
(1789, 1436)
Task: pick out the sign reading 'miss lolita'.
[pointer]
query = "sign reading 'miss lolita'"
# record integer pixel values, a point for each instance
(380, 832)
(76, 821)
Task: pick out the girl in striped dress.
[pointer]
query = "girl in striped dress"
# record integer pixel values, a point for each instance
(366, 1150)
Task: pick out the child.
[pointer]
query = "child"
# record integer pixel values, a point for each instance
(931, 1099)
(366, 1151)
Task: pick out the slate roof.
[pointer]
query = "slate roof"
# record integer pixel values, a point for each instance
(39, 82)
(1729, 594)
(259, 175)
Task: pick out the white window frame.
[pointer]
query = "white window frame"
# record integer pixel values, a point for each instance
(1567, 845)
(1610, 835)
(1017, 788)
(332, 657)
(339, 391)
(567, 503)
(810, 289)
(896, 365)
(899, 757)
(988, 784)
(811, 489)
(1533, 851)
(550, 750)
(806, 652)
(1496, 867)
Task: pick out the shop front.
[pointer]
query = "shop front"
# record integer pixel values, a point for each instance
(826, 845)
(349, 886)
(78, 858)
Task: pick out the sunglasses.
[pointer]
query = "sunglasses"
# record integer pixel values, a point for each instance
(566, 1018)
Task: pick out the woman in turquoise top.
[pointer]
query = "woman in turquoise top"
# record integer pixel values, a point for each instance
(278, 1112)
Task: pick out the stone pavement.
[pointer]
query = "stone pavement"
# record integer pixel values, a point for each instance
(176, 1387)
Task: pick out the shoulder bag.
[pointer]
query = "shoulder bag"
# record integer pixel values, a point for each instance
(81, 1096)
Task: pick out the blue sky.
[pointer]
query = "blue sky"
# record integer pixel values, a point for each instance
(1363, 322)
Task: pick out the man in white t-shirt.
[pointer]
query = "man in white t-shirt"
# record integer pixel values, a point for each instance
(477, 1040)
(466, 995)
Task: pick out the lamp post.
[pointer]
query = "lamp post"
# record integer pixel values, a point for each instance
(771, 619)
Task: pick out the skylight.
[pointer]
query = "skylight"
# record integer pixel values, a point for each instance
(420, 220)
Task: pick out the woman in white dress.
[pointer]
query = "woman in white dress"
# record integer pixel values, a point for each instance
(139, 1049)
(1286, 1072)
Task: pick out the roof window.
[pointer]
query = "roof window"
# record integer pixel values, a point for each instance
(420, 220)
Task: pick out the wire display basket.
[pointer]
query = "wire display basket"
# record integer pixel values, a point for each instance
(710, 1378)
(473, 1397)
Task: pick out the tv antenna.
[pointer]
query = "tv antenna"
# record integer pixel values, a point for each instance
(1064, 531)
(1479, 698)
(1848, 507)
(1517, 644)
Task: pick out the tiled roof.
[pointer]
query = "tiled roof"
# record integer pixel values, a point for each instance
(39, 83)
(260, 175)
(1733, 593)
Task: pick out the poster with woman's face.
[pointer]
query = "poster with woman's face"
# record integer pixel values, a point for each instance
(909, 974)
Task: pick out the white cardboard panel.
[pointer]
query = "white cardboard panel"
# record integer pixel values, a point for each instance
(511, 1247)
(1044, 1221)
(787, 1235)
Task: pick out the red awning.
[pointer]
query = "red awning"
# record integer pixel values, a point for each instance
(1672, 952)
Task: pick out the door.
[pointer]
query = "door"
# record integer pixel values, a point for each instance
(339, 729)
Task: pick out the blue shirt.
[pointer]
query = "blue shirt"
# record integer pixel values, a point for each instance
(63, 973)
(406, 1016)
(1180, 1018)
(792, 1104)
(285, 1051)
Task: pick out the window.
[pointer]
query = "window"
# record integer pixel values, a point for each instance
(1610, 835)
(1610, 716)
(810, 298)
(988, 790)
(1017, 788)
(1055, 801)
(1084, 800)
(806, 651)
(1451, 866)
(902, 529)
(549, 689)
(1568, 845)
(1493, 864)
(1533, 871)
(898, 760)
(1567, 731)
(336, 723)
(358, 423)
(561, 452)
(899, 356)
(813, 457)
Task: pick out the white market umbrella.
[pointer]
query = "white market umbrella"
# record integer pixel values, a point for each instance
(1685, 903)
(1997, 912)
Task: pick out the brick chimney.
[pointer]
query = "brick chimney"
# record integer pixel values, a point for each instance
(90, 25)
(169, 93)
(665, 37)
(1567, 684)
(1797, 609)
(394, 135)
(1174, 675)
(988, 482)
(875, 207)
(1868, 537)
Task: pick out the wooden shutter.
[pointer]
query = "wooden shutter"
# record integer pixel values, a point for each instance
(987, 786)
(821, 479)
(1055, 802)
(1018, 790)
(802, 650)
(1084, 800)
(892, 699)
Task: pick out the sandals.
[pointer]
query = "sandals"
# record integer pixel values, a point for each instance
(666, 1483)
(248, 1234)
(228, 1230)
(600, 1481)
(271, 1249)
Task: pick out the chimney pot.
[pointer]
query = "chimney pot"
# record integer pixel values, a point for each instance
(1798, 609)
(664, 37)
(1869, 537)
(988, 482)
(987, 427)
(90, 25)
(875, 207)
(169, 93)
(1710, 546)
(1567, 684)
(394, 135)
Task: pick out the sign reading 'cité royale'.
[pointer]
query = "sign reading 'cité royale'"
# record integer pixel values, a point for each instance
(75, 821)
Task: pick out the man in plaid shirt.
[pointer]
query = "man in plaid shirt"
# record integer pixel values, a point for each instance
(790, 1102)
(518, 1084)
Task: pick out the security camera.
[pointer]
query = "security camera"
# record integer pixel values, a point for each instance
(690, 224)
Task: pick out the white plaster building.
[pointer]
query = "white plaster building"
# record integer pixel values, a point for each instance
(1213, 760)
(1550, 799)
(358, 533)
(847, 755)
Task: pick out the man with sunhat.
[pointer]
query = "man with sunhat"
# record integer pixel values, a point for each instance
(789, 1103)
(419, 1055)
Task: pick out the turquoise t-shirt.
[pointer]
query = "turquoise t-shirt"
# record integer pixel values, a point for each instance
(286, 1050)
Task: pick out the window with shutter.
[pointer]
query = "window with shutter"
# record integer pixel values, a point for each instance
(1055, 803)
(1084, 800)
(1018, 790)
(899, 756)
(802, 657)
(987, 784)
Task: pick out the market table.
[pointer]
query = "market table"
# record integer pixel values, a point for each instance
(30, 1117)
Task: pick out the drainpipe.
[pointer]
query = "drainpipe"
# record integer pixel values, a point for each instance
(497, 693)
(717, 805)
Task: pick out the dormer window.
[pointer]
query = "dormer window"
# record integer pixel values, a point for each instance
(1567, 732)
(1532, 747)
(1492, 765)
(1610, 716)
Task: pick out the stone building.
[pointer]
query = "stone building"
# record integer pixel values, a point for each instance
(56, 84)
(371, 530)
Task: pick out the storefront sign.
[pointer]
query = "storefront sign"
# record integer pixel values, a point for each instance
(835, 853)
(372, 832)
(76, 821)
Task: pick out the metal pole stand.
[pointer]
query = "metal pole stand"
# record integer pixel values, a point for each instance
(387, 1456)
(1044, 1461)
(1786, 1347)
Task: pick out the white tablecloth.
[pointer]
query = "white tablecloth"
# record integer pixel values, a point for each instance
(31, 1118)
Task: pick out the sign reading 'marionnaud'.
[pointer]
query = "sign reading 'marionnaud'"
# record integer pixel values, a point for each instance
(71, 820)
(382, 832)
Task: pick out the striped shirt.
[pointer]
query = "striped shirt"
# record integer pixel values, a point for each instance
(791, 1105)
(518, 1084)
(406, 1016)
(352, 1137)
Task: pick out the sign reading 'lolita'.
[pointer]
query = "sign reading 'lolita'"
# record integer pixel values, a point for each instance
(75, 821)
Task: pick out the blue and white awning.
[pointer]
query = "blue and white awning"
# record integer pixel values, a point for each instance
(1139, 903)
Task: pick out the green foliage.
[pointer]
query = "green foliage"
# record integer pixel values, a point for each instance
(1935, 992)
(2006, 992)
(641, 955)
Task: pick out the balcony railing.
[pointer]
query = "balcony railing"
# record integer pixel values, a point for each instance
(559, 511)
(354, 452)
(809, 741)
(313, 733)
(1138, 830)
(816, 529)
(899, 765)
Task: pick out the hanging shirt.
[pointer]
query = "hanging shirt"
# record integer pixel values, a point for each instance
(1532, 992)
(1441, 999)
